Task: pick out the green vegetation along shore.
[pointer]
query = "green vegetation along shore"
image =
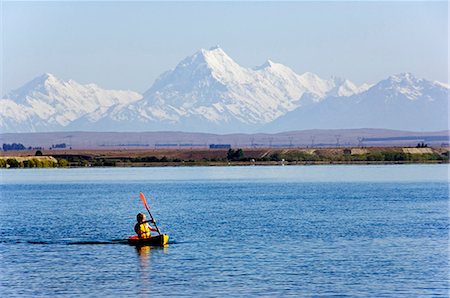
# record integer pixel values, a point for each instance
(32, 162)
(204, 157)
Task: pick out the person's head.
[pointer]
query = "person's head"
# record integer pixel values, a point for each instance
(140, 217)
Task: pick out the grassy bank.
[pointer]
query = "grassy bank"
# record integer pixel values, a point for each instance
(32, 162)
(205, 157)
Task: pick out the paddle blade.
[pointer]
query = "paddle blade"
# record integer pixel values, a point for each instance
(141, 195)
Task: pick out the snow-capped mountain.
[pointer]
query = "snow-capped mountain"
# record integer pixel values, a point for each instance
(48, 103)
(399, 102)
(209, 92)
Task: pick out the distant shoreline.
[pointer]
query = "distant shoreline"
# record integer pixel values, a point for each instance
(223, 157)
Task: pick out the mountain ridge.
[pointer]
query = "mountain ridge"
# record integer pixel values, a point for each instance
(399, 102)
(208, 91)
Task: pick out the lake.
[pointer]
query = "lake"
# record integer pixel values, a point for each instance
(368, 231)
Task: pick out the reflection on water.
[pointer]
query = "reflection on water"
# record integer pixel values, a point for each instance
(143, 254)
(145, 270)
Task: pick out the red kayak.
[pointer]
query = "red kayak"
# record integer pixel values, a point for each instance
(160, 240)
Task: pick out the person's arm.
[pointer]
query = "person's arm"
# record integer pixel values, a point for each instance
(150, 227)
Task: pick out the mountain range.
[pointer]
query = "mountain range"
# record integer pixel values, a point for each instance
(209, 92)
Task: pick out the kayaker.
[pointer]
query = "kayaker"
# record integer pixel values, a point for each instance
(142, 228)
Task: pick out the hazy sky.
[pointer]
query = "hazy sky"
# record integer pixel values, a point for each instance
(126, 45)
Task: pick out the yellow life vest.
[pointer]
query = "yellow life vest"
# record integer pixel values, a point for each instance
(143, 230)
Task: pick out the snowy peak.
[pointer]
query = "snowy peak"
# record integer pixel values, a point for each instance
(404, 78)
(50, 89)
(210, 85)
(315, 85)
(41, 83)
(57, 103)
(442, 85)
(45, 79)
(344, 87)
(209, 91)
(401, 80)
(223, 68)
(410, 87)
(214, 59)
(267, 64)
(401, 102)
(215, 55)
(335, 86)
(202, 69)
(278, 69)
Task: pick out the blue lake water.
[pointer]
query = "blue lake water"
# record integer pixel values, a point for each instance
(368, 231)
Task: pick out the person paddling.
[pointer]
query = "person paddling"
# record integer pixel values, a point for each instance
(142, 228)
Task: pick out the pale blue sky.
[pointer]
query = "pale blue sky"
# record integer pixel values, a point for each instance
(127, 45)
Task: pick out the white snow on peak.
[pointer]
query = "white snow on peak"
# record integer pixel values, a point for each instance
(57, 102)
(443, 85)
(345, 88)
(364, 87)
(403, 77)
(210, 85)
(407, 85)
(224, 69)
(268, 63)
(204, 90)
(271, 64)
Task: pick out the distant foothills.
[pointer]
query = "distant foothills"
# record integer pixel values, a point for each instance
(315, 138)
(208, 92)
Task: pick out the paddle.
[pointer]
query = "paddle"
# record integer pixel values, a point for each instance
(141, 195)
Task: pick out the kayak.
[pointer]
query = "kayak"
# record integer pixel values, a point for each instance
(159, 240)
